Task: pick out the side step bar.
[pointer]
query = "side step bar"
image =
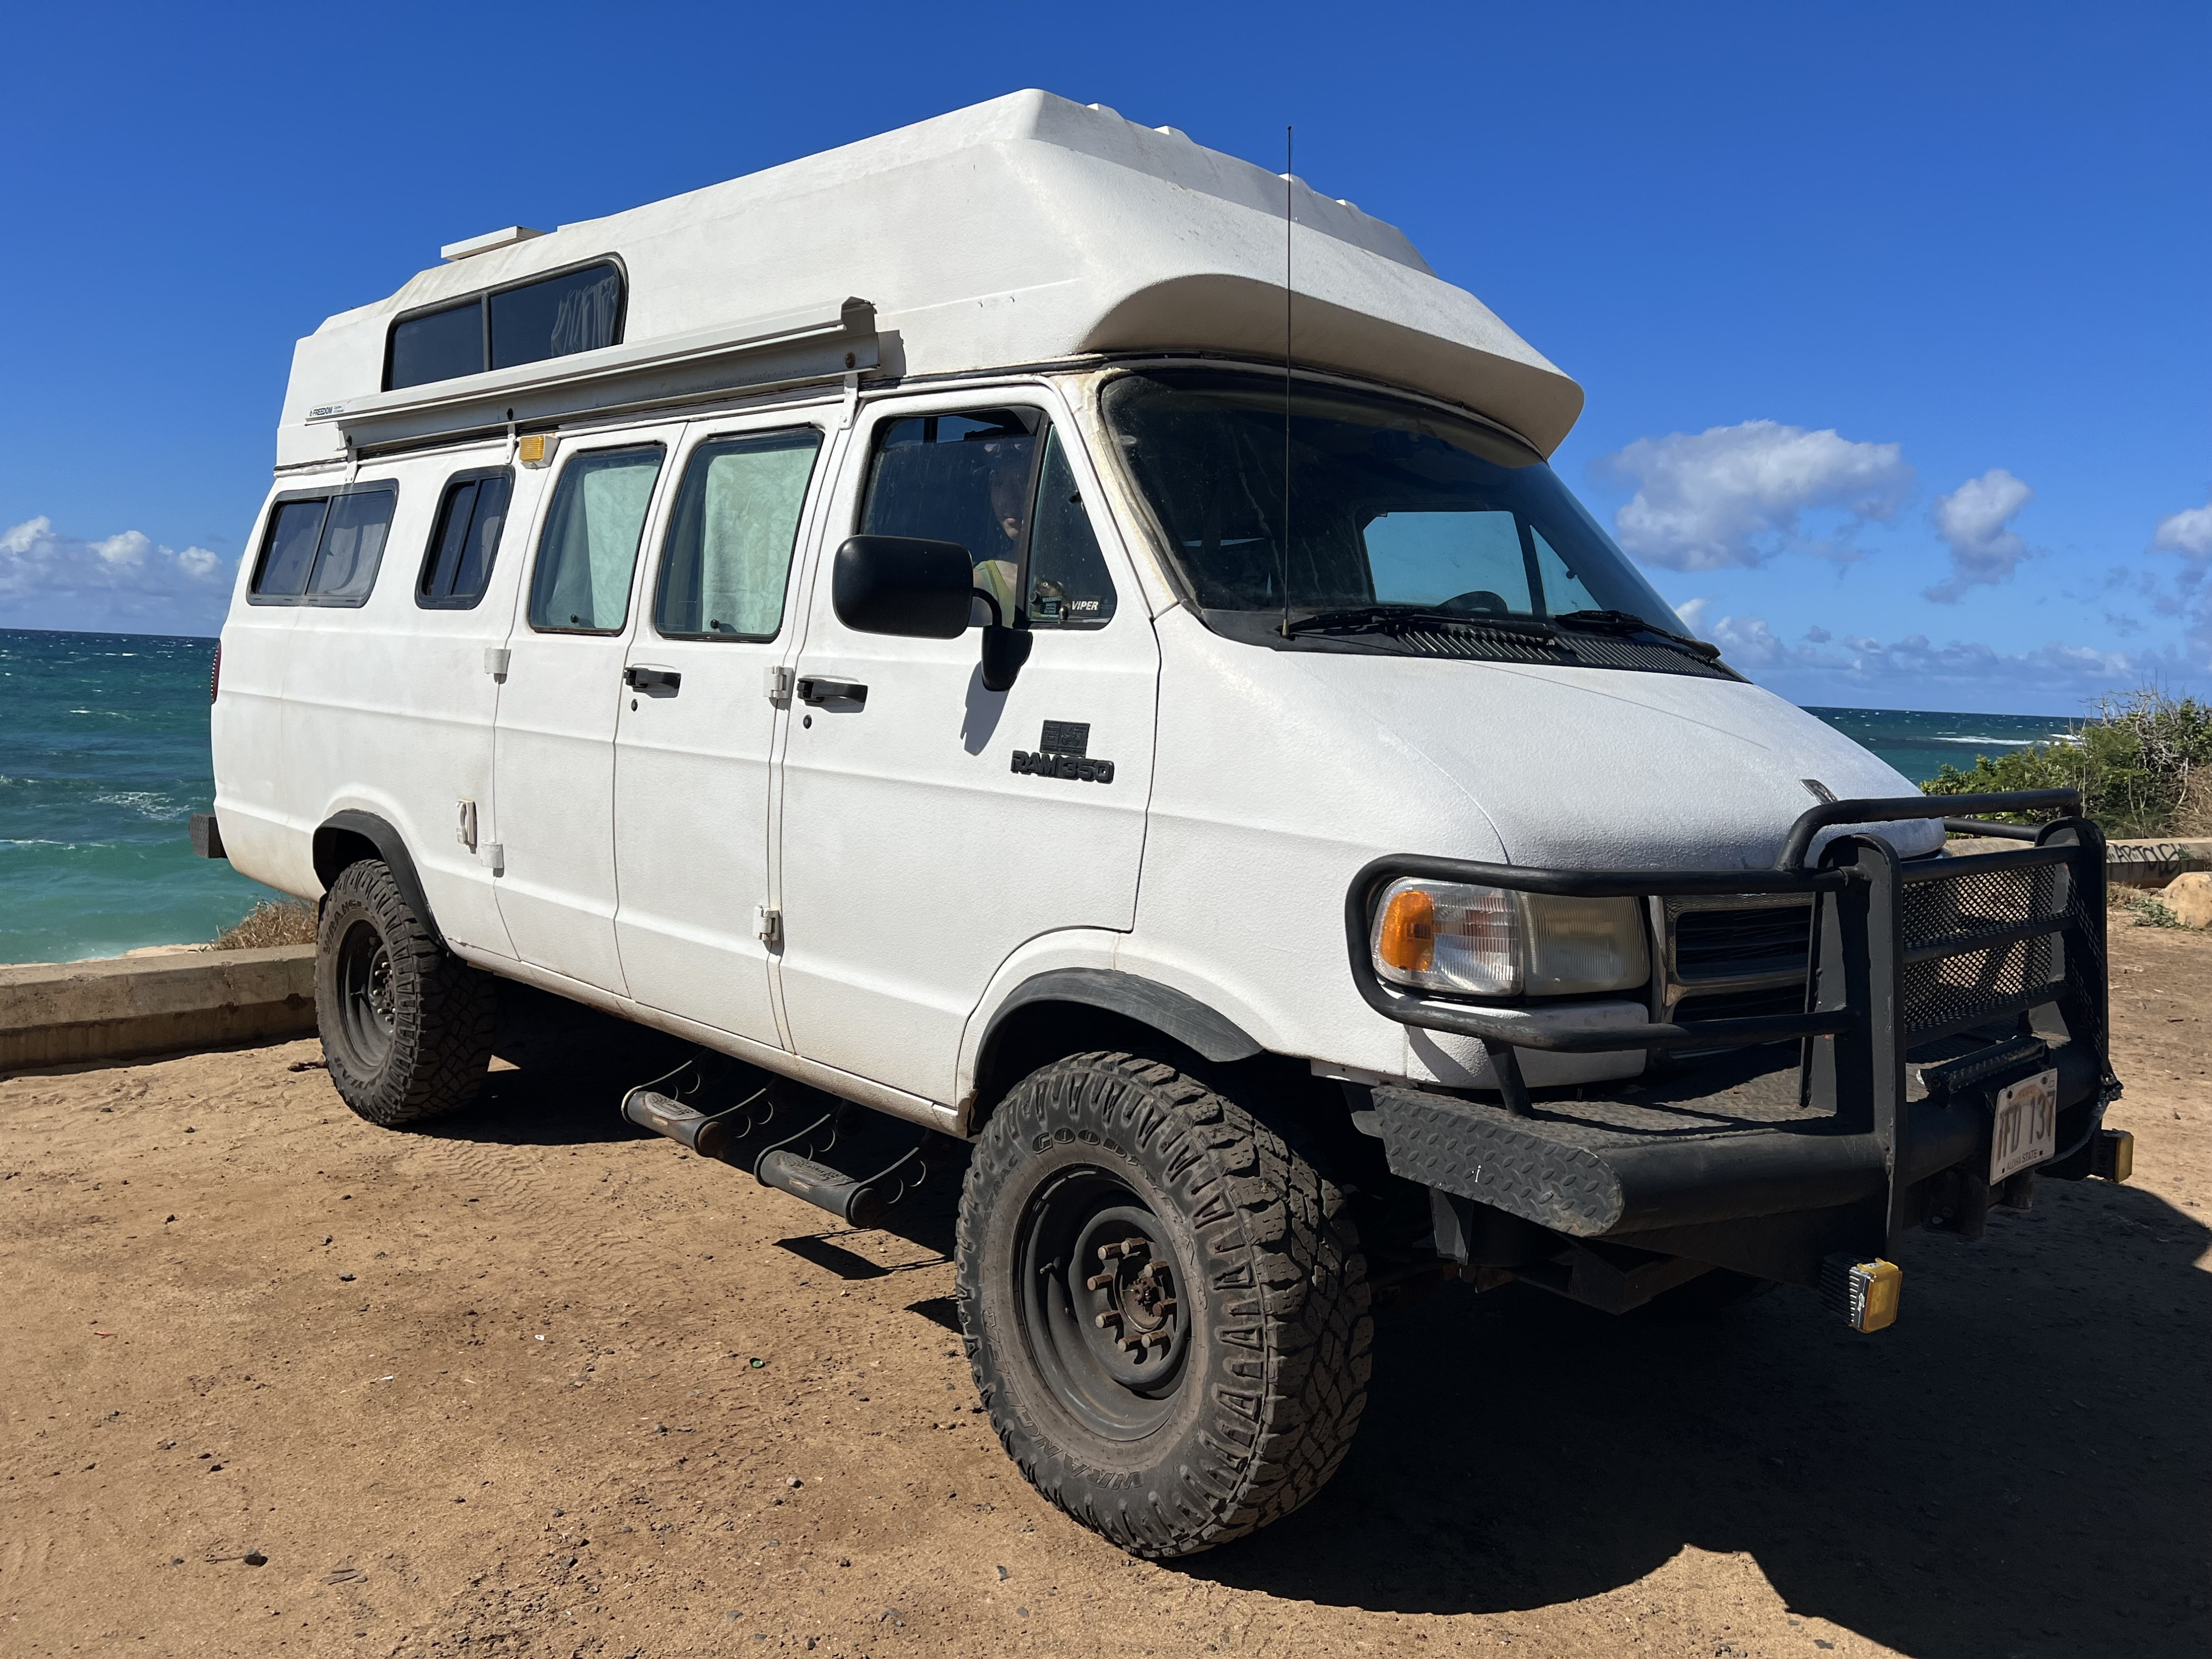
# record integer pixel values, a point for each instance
(858, 1200)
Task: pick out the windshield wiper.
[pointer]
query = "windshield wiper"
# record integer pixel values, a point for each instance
(1623, 622)
(1397, 619)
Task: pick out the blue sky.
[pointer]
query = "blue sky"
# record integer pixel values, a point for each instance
(1893, 319)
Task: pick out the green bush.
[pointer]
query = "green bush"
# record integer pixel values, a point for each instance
(2143, 766)
(2151, 910)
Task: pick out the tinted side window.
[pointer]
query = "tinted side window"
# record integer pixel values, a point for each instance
(576, 310)
(457, 564)
(353, 547)
(728, 555)
(440, 346)
(288, 550)
(965, 478)
(324, 550)
(1068, 587)
(588, 549)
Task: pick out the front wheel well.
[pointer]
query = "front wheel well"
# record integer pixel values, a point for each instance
(1038, 1033)
(1035, 1034)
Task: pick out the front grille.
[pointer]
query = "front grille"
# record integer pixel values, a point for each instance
(1736, 957)
(1729, 943)
(1742, 1005)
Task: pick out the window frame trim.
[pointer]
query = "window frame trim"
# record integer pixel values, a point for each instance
(483, 298)
(454, 480)
(325, 493)
(815, 482)
(537, 545)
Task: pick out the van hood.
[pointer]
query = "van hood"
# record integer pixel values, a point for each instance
(1597, 769)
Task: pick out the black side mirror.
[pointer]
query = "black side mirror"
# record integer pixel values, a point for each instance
(902, 584)
(1004, 651)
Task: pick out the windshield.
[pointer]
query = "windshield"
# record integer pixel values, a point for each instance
(1391, 505)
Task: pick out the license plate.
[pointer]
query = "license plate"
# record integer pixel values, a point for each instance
(2027, 1131)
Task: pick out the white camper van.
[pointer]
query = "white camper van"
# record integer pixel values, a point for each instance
(911, 624)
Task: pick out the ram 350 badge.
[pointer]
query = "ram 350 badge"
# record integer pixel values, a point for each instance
(1060, 754)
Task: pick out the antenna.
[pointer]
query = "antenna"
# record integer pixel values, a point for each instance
(1289, 133)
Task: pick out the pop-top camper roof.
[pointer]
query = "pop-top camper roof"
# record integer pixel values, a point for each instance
(1025, 230)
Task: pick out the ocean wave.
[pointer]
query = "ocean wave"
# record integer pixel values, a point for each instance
(147, 803)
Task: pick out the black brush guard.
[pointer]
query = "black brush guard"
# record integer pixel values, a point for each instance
(1932, 984)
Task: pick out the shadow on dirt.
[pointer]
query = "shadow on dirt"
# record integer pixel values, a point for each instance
(567, 1068)
(2019, 1466)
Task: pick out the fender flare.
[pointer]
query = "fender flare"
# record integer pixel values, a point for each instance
(391, 847)
(1171, 1012)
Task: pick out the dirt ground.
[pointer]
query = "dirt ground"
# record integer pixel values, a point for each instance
(276, 1382)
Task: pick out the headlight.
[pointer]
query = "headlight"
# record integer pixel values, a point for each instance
(1486, 941)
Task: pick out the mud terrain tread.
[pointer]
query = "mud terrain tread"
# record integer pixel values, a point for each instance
(1291, 1267)
(445, 1013)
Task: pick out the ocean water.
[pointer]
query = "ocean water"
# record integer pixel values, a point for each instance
(1921, 745)
(103, 759)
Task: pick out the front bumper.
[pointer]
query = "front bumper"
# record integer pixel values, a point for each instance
(1929, 988)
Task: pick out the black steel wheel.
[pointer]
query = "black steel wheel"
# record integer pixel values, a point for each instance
(1099, 1314)
(407, 1026)
(1164, 1304)
(363, 987)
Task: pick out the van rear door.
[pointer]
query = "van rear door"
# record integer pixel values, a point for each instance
(930, 826)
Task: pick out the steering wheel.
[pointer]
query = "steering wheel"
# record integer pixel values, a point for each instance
(1478, 601)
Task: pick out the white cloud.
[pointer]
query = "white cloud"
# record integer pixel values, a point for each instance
(2188, 532)
(1734, 495)
(1975, 521)
(127, 582)
(1916, 671)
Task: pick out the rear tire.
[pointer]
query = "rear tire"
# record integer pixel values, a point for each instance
(1164, 1304)
(407, 1027)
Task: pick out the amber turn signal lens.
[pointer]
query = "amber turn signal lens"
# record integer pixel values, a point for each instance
(1866, 1293)
(1407, 938)
(2112, 1155)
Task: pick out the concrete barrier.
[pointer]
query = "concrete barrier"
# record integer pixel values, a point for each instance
(53, 1014)
(2127, 863)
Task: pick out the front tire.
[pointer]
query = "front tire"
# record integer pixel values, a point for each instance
(1164, 1304)
(407, 1027)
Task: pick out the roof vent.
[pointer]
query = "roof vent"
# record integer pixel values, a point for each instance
(486, 243)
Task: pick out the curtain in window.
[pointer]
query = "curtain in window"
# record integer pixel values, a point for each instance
(586, 319)
(749, 516)
(590, 546)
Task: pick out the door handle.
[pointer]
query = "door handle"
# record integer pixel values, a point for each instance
(819, 692)
(652, 679)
